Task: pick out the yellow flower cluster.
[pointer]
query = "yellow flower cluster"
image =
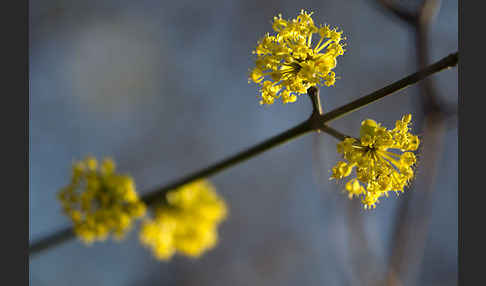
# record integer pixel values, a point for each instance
(99, 201)
(377, 168)
(287, 64)
(187, 223)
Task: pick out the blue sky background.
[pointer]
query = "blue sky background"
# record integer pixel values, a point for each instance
(161, 86)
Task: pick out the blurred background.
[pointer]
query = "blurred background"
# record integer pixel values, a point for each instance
(161, 86)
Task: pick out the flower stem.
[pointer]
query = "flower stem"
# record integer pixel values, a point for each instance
(316, 122)
(313, 93)
(334, 133)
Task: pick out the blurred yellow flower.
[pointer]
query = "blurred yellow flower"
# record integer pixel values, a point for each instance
(287, 63)
(187, 223)
(377, 168)
(99, 201)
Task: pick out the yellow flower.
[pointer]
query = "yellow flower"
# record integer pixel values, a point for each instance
(288, 63)
(99, 201)
(377, 168)
(187, 223)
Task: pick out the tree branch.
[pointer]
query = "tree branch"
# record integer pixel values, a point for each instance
(315, 122)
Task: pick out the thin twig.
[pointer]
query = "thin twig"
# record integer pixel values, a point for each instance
(158, 195)
(293, 133)
(314, 123)
(54, 239)
(402, 14)
(445, 63)
(410, 228)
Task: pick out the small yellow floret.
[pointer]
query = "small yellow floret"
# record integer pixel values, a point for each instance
(288, 63)
(99, 201)
(377, 168)
(187, 224)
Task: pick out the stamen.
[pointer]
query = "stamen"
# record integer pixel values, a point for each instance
(323, 46)
(392, 160)
(391, 154)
